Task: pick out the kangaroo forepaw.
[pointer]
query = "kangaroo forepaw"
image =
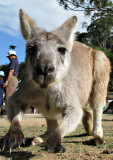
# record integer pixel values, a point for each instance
(14, 136)
(56, 149)
(54, 143)
(52, 149)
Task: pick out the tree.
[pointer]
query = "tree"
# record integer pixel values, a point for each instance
(3, 68)
(88, 6)
(22, 71)
(99, 33)
(83, 37)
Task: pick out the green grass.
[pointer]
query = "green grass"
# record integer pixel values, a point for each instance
(75, 148)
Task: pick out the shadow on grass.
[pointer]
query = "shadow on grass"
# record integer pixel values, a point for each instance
(80, 142)
(87, 142)
(107, 120)
(18, 155)
(28, 142)
(80, 135)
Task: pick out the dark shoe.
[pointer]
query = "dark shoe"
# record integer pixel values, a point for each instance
(1, 116)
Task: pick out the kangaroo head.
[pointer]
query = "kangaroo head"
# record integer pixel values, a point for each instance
(47, 53)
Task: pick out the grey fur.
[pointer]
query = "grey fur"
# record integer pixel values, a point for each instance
(77, 83)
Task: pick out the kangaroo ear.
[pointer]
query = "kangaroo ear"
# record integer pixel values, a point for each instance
(28, 25)
(66, 30)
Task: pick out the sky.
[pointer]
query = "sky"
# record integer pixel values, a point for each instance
(47, 14)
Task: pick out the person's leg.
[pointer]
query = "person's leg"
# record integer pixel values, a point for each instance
(10, 89)
(0, 110)
(1, 100)
(34, 110)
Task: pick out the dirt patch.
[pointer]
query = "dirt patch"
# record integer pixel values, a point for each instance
(76, 144)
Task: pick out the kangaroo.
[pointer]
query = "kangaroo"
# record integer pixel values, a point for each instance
(65, 79)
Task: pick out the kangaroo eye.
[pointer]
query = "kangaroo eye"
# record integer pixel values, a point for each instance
(32, 49)
(62, 50)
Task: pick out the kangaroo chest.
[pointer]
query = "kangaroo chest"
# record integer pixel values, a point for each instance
(49, 103)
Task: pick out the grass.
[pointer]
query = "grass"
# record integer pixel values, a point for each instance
(76, 149)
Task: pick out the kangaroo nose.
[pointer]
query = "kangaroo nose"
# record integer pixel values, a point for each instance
(45, 70)
(49, 68)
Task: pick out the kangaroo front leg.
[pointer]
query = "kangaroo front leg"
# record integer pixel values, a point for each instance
(51, 126)
(14, 136)
(71, 119)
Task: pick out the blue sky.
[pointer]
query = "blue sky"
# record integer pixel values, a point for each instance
(6, 40)
(47, 14)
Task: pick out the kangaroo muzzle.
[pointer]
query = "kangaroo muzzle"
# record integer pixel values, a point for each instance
(44, 73)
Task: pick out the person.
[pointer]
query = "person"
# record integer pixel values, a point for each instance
(33, 110)
(1, 91)
(11, 75)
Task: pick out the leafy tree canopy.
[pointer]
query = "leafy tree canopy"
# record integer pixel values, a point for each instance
(98, 7)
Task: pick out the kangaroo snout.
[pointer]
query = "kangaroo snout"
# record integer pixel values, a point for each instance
(44, 73)
(45, 69)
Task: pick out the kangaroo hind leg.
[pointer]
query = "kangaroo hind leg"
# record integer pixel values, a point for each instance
(87, 121)
(99, 93)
